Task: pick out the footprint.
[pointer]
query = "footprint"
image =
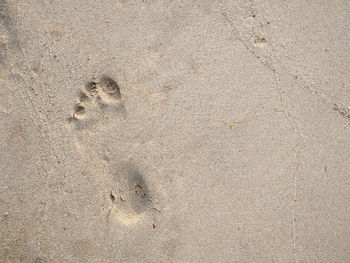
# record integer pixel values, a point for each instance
(102, 135)
(129, 194)
(97, 98)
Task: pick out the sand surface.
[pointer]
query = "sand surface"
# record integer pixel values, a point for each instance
(174, 131)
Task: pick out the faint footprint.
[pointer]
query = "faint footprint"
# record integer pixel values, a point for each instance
(129, 194)
(99, 121)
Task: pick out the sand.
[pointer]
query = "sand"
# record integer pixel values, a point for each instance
(174, 131)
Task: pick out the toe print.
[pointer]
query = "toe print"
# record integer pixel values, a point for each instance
(95, 98)
(109, 86)
(91, 88)
(79, 111)
(83, 97)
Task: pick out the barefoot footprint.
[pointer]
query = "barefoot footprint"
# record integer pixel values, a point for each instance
(98, 97)
(129, 195)
(99, 120)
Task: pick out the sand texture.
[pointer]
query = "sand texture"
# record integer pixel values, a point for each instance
(174, 131)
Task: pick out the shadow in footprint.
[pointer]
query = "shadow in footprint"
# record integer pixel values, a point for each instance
(139, 193)
(130, 194)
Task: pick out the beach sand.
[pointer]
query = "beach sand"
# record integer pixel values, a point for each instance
(174, 131)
